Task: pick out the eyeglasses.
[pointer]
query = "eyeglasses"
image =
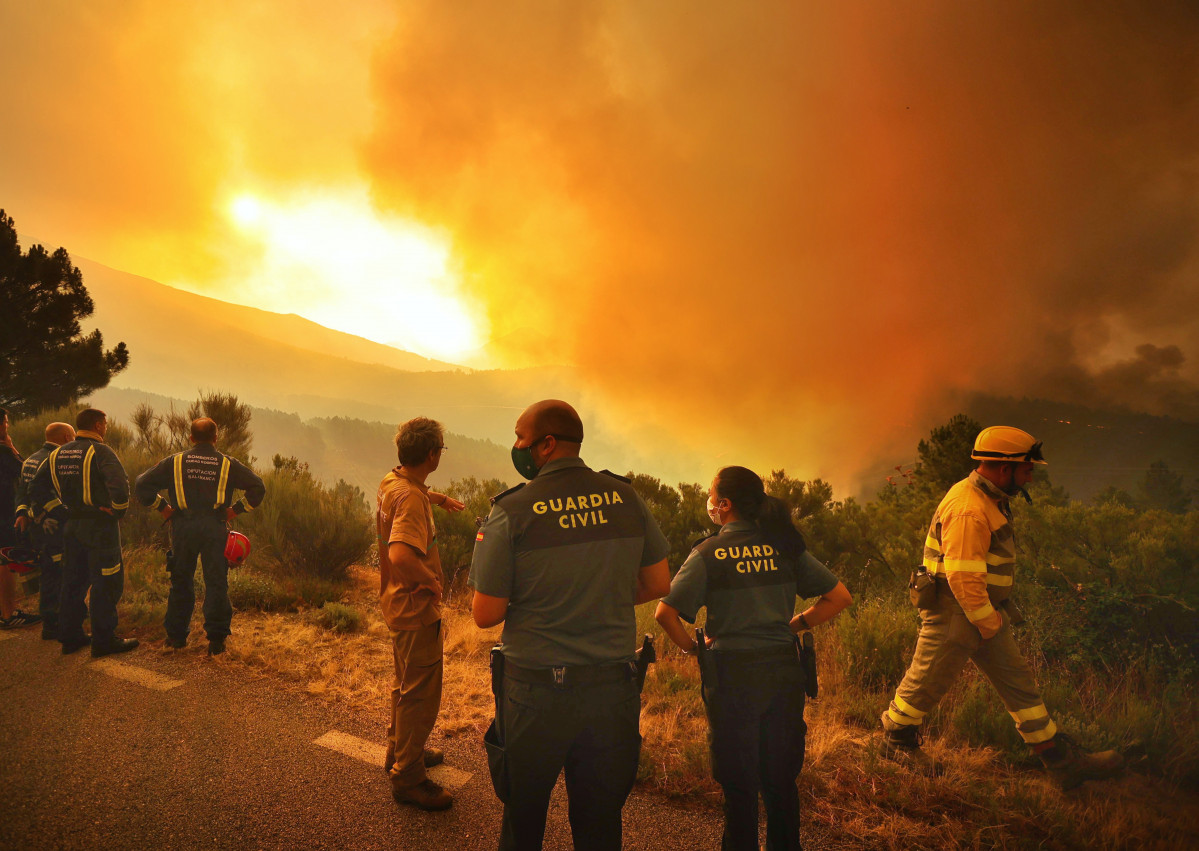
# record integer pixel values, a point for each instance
(441, 449)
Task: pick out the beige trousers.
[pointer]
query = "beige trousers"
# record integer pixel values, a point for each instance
(415, 700)
(946, 642)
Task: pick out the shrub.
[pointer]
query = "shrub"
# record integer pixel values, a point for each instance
(308, 528)
(456, 532)
(252, 590)
(875, 641)
(339, 617)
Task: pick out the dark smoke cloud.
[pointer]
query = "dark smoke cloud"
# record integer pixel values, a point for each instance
(790, 231)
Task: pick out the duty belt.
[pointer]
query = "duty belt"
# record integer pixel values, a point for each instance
(740, 668)
(568, 676)
(780, 651)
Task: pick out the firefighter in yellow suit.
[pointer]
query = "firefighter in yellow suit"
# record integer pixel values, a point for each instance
(970, 559)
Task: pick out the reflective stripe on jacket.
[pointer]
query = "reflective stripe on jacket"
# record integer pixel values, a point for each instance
(201, 480)
(972, 544)
(84, 475)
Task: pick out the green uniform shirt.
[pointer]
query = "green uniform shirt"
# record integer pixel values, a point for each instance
(565, 551)
(748, 586)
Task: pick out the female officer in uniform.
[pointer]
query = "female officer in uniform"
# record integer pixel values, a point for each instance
(749, 575)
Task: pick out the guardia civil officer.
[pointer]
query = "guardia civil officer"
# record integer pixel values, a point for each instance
(200, 483)
(966, 615)
(749, 576)
(86, 477)
(45, 528)
(561, 562)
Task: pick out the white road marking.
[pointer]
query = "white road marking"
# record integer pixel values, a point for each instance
(449, 777)
(374, 754)
(134, 674)
(353, 746)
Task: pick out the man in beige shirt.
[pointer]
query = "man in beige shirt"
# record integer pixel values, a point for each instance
(410, 579)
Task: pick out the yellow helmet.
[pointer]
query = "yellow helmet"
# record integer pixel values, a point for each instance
(1005, 443)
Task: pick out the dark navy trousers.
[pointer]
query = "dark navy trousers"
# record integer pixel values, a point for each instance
(757, 736)
(198, 537)
(91, 559)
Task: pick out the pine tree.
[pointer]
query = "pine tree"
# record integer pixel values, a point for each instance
(45, 358)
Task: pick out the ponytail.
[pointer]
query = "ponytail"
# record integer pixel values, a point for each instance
(744, 489)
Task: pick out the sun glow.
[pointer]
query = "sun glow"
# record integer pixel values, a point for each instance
(335, 260)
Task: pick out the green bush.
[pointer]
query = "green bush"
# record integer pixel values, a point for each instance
(339, 617)
(456, 532)
(875, 641)
(308, 528)
(253, 590)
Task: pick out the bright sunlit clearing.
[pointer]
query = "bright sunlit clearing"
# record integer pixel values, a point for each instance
(338, 262)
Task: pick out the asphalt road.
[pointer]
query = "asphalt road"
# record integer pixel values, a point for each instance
(167, 750)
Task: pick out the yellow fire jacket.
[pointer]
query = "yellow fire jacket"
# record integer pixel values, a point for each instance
(971, 543)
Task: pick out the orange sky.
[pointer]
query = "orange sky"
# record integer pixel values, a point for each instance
(756, 230)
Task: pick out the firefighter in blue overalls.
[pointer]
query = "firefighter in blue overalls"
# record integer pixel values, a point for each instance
(200, 484)
(87, 478)
(45, 529)
(749, 576)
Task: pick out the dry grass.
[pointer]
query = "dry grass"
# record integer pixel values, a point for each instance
(857, 797)
(355, 669)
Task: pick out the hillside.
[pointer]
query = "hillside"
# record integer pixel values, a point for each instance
(335, 448)
(181, 343)
(1090, 449)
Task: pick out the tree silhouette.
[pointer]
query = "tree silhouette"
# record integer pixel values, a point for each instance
(944, 459)
(45, 358)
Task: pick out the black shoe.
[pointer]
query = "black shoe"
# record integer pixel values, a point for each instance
(216, 646)
(177, 643)
(70, 645)
(904, 746)
(19, 619)
(117, 645)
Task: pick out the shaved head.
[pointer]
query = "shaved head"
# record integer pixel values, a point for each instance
(553, 416)
(59, 433)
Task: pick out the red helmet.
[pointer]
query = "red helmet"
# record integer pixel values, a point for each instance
(237, 547)
(19, 560)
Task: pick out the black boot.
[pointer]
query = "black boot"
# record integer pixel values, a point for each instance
(117, 645)
(904, 746)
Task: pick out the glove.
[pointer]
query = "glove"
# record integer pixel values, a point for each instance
(229, 514)
(167, 512)
(49, 525)
(22, 523)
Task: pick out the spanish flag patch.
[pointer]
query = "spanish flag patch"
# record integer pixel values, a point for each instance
(479, 536)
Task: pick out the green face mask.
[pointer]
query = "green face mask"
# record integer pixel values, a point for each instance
(522, 460)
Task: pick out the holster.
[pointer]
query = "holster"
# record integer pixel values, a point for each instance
(922, 588)
(493, 739)
(1014, 615)
(644, 656)
(170, 561)
(707, 663)
(806, 643)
